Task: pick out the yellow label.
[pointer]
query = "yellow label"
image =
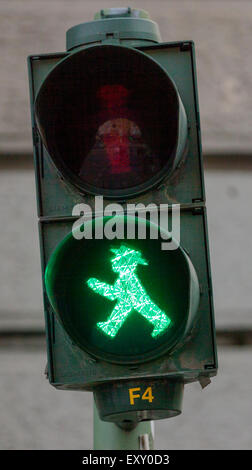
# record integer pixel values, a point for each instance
(147, 395)
(132, 395)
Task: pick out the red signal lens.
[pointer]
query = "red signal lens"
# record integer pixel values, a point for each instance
(114, 133)
(109, 120)
(112, 95)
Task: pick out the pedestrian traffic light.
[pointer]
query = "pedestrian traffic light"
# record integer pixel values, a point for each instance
(105, 293)
(120, 116)
(127, 297)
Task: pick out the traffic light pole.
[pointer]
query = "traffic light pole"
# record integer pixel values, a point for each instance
(110, 436)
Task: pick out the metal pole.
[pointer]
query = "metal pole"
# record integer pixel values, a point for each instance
(111, 437)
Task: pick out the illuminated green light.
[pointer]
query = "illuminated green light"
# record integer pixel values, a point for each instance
(129, 293)
(147, 302)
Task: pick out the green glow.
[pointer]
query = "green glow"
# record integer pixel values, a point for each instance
(129, 293)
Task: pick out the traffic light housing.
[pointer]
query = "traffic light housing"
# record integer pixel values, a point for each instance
(117, 116)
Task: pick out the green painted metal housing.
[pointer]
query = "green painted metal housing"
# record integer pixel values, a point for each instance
(124, 25)
(70, 367)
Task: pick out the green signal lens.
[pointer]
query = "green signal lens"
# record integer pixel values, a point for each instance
(130, 294)
(123, 301)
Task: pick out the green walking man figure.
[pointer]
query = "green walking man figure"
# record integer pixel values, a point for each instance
(129, 293)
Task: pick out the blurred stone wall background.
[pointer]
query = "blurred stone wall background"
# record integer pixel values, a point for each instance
(34, 415)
